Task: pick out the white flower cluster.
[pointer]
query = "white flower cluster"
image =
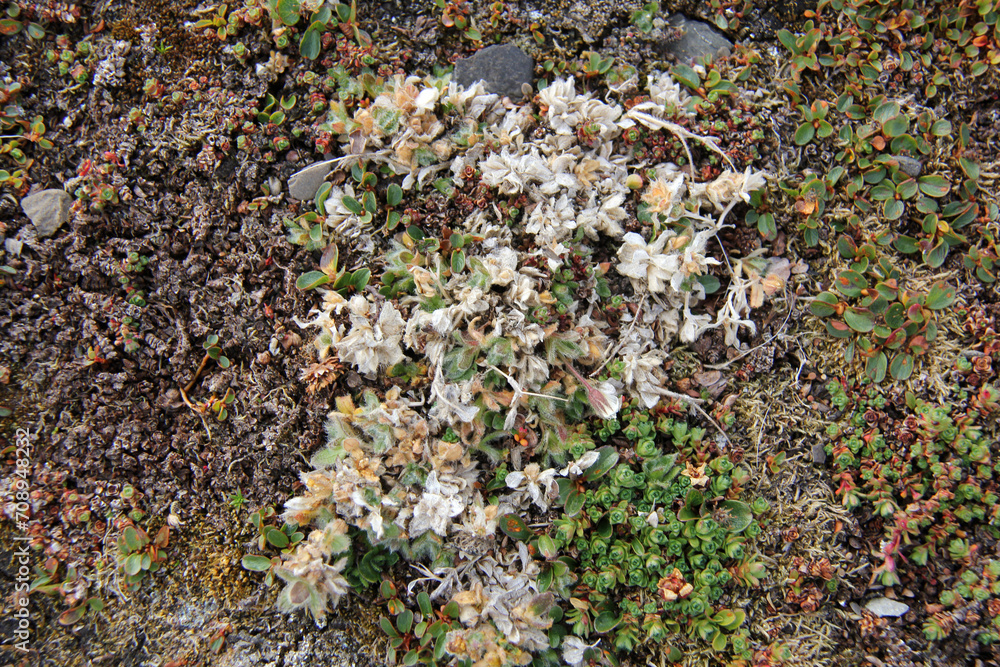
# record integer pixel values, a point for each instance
(496, 335)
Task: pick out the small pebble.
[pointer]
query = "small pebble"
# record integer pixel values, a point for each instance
(884, 607)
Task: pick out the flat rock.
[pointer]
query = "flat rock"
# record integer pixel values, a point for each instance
(909, 166)
(504, 68)
(697, 40)
(48, 210)
(883, 607)
(818, 453)
(304, 184)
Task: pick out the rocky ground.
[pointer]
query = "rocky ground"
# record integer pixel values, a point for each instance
(171, 237)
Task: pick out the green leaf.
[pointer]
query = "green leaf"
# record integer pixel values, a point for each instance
(574, 502)
(256, 563)
(941, 295)
(133, 564)
(404, 621)
(935, 256)
(360, 278)
(804, 134)
(276, 538)
(311, 43)
(850, 283)
(901, 367)
(876, 366)
(886, 112)
(767, 229)
(934, 185)
(895, 127)
(838, 329)
(513, 526)
(893, 209)
(941, 128)
(824, 305)
(739, 515)
(352, 205)
(719, 642)
(287, 11)
(132, 541)
(606, 622)
(687, 76)
(70, 616)
(607, 457)
(859, 319)
(457, 261)
(970, 168)
(787, 39)
(311, 280)
(393, 195)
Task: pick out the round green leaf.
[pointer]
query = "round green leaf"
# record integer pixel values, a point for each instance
(860, 320)
(513, 526)
(941, 295)
(606, 622)
(804, 134)
(901, 367)
(276, 538)
(894, 209)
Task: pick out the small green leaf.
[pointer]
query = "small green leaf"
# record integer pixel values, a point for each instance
(941, 295)
(934, 185)
(687, 76)
(276, 538)
(311, 280)
(287, 11)
(606, 460)
(893, 209)
(71, 616)
(352, 205)
(606, 622)
(739, 515)
(859, 319)
(311, 43)
(256, 563)
(876, 366)
(901, 367)
(574, 502)
(393, 195)
(935, 256)
(824, 305)
(133, 564)
(804, 134)
(404, 621)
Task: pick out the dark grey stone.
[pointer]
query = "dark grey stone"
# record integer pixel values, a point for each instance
(504, 68)
(697, 40)
(909, 166)
(818, 452)
(48, 210)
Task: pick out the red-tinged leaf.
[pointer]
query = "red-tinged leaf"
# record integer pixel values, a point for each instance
(162, 537)
(918, 345)
(513, 526)
(838, 329)
(72, 616)
(895, 339)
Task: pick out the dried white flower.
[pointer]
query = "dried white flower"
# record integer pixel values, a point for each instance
(372, 346)
(438, 505)
(539, 485)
